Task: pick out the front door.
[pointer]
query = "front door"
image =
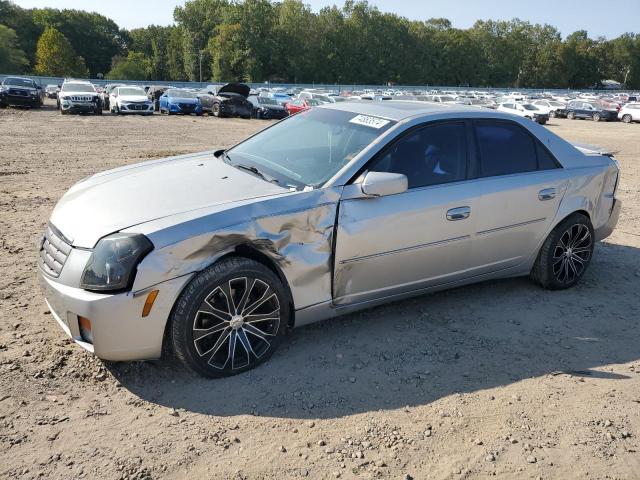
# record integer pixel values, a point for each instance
(422, 237)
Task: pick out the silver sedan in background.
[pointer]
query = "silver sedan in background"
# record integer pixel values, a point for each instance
(339, 208)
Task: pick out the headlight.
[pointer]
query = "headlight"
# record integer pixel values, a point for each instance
(113, 262)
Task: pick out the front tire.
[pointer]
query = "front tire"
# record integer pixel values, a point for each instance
(230, 318)
(626, 118)
(565, 254)
(571, 116)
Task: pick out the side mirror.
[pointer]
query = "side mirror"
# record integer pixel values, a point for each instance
(380, 184)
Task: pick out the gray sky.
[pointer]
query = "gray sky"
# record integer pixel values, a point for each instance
(567, 15)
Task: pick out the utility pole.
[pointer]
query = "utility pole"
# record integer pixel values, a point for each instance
(200, 52)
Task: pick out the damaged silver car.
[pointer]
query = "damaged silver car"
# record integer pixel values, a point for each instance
(342, 207)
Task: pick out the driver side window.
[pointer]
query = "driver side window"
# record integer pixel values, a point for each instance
(431, 155)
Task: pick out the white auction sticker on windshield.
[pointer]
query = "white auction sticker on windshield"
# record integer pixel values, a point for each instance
(367, 121)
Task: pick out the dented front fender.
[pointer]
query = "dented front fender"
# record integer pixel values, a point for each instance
(295, 231)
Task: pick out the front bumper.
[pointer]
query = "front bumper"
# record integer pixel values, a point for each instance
(136, 108)
(185, 109)
(607, 229)
(272, 114)
(231, 110)
(119, 330)
(75, 107)
(19, 100)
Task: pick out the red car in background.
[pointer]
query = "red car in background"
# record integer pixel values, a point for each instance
(302, 104)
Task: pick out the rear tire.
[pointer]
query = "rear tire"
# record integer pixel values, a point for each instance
(571, 116)
(597, 117)
(230, 318)
(565, 254)
(552, 114)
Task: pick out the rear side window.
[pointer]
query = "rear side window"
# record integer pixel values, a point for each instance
(505, 148)
(545, 160)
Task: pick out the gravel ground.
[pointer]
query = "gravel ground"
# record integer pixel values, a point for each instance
(500, 379)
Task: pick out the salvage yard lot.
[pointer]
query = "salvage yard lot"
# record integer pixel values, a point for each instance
(501, 378)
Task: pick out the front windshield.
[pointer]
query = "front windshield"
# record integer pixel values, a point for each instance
(78, 87)
(19, 82)
(182, 94)
(310, 147)
(266, 101)
(132, 91)
(528, 106)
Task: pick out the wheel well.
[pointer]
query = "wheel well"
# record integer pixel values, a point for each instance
(583, 212)
(252, 253)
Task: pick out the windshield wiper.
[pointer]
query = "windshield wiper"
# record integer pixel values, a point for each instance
(256, 171)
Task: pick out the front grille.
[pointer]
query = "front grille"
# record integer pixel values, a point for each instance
(53, 252)
(137, 106)
(187, 107)
(78, 98)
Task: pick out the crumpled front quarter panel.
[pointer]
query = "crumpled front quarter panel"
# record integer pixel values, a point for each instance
(295, 231)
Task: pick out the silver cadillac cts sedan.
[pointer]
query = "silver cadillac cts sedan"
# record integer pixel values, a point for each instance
(214, 256)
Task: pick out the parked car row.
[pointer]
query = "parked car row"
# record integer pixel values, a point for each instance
(239, 100)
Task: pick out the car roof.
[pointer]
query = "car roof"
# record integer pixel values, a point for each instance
(398, 110)
(13, 77)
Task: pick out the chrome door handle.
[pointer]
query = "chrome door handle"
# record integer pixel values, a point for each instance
(547, 194)
(459, 213)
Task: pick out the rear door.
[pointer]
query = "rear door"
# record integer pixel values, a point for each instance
(520, 186)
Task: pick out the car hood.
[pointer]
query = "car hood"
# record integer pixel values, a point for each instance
(18, 87)
(183, 99)
(273, 107)
(239, 88)
(117, 199)
(68, 93)
(134, 98)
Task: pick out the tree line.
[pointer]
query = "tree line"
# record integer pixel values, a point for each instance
(286, 42)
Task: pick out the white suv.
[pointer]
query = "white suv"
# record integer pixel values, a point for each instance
(130, 100)
(630, 113)
(79, 96)
(526, 110)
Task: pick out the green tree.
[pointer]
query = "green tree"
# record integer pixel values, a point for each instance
(228, 61)
(56, 57)
(94, 37)
(21, 21)
(12, 58)
(134, 67)
(578, 62)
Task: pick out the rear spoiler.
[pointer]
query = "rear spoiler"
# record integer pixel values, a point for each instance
(592, 150)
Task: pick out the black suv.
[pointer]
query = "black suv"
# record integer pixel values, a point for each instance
(593, 110)
(20, 91)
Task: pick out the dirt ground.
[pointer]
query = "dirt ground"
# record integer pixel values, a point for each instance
(502, 379)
